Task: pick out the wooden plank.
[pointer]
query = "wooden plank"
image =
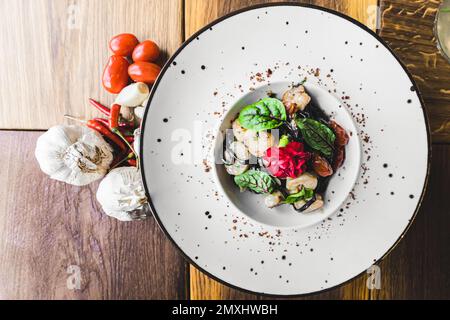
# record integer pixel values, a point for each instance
(201, 12)
(50, 229)
(204, 288)
(418, 267)
(197, 14)
(54, 53)
(407, 26)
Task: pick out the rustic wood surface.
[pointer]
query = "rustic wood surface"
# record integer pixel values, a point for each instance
(201, 12)
(49, 229)
(55, 53)
(407, 26)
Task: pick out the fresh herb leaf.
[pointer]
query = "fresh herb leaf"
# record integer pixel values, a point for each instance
(302, 82)
(445, 10)
(284, 141)
(304, 194)
(268, 113)
(317, 135)
(257, 181)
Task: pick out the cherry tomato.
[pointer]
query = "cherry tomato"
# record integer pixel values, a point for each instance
(146, 72)
(146, 51)
(321, 166)
(341, 136)
(123, 44)
(115, 76)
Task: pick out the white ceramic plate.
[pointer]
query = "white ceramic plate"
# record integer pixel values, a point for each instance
(228, 62)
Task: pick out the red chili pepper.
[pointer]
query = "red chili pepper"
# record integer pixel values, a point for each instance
(130, 139)
(127, 125)
(114, 116)
(122, 157)
(104, 130)
(103, 109)
(132, 162)
(102, 120)
(125, 132)
(122, 125)
(114, 124)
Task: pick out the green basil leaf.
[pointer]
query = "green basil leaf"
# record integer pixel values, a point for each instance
(265, 114)
(257, 181)
(304, 194)
(317, 135)
(309, 193)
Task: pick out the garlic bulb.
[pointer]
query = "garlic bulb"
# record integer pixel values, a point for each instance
(122, 196)
(133, 95)
(73, 154)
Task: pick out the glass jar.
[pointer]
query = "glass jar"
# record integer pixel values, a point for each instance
(442, 29)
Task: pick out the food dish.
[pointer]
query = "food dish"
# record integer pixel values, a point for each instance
(286, 149)
(334, 191)
(354, 76)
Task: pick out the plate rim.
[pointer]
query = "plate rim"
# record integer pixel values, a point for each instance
(213, 23)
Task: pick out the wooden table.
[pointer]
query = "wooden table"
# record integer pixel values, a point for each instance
(50, 233)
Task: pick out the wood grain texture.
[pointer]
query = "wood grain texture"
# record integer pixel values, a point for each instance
(407, 26)
(204, 288)
(199, 13)
(54, 53)
(47, 226)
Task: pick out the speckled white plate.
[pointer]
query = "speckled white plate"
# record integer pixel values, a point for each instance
(221, 65)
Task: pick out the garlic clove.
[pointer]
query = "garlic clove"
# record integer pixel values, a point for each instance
(274, 199)
(139, 112)
(239, 150)
(296, 99)
(314, 206)
(73, 154)
(238, 130)
(236, 168)
(258, 142)
(121, 195)
(307, 180)
(137, 139)
(133, 95)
